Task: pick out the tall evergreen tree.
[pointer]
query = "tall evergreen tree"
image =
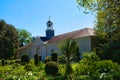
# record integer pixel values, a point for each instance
(8, 39)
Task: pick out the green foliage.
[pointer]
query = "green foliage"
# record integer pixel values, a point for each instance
(32, 61)
(108, 68)
(3, 62)
(116, 56)
(68, 48)
(87, 63)
(105, 66)
(107, 26)
(62, 68)
(77, 56)
(90, 56)
(4, 71)
(51, 68)
(62, 59)
(17, 70)
(18, 61)
(25, 59)
(47, 59)
(91, 5)
(86, 69)
(54, 56)
(69, 69)
(39, 58)
(57, 78)
(107, 30)
(29, 67)
(36, 59)
(25, 37)
(90, 67)
(41, 67)
(8, 40)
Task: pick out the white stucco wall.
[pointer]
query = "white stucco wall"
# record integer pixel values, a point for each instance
(84, 44)
(45, 50)
(31, 51)
(40, 46)
(51, 48)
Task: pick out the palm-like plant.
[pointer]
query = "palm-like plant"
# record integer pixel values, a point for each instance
(68, 48)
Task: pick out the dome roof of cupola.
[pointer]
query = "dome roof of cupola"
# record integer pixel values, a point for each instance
(49, 22)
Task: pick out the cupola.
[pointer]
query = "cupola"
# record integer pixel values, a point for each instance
(50, 30)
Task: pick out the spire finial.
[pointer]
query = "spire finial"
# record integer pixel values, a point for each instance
(49, 18)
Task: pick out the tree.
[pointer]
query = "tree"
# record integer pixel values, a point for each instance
(107, 25)
(68, 48)
(89, 5)
(8, 39)
(109, 18)
(25, 37)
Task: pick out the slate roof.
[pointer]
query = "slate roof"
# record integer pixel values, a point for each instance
(44, 38)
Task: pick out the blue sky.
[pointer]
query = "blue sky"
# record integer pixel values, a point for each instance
(32, 15)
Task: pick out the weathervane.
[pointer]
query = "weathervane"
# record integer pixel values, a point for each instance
(49, 18)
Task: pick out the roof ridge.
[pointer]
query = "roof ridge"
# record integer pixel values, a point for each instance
(26, 45)
(88, 30)
(72, 31)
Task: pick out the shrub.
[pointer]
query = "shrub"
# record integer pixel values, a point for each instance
(62, 68)
(29, 67)
(106, 66)
(18, 61)
(62, 59)
(25, 59)
(3, 62)
(36, 58)
(77, 56)
(54, 56)
(47, 59)
(9, 62)
(51, 68)
(69, 69)
(57, 78)
(41, 67)
(116, 75)
(98, 70)
(116, 56)
(90, 56)
(32, 61)
(39, 58)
